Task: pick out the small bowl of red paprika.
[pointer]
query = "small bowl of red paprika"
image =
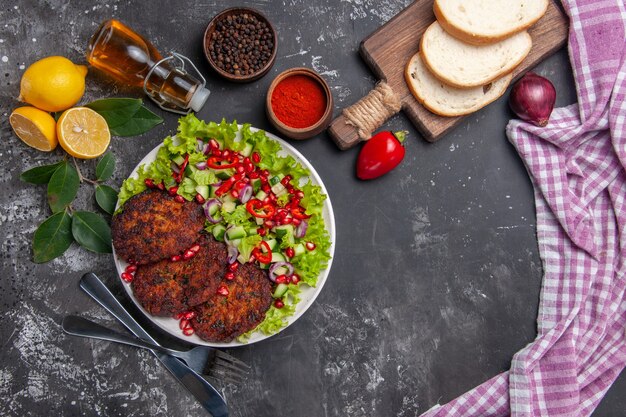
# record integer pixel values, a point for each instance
(299, 103)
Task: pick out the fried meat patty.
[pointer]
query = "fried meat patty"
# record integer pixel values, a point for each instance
(222, 318)
(166, 288)
(153, 226)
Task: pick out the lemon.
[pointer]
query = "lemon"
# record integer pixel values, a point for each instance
(53, 84)
(35, 127)
(83, 133)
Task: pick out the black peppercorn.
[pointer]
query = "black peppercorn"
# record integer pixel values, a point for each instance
(241, 44)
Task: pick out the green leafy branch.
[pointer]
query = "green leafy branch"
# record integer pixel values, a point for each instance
(66, 225)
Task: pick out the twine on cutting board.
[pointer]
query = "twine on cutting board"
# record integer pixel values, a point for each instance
(369, 113)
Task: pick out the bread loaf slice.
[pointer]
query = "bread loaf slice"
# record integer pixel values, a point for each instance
(445, 100)
(463, 65)
(487, 21)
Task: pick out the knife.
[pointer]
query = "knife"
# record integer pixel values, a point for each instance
(199, 387)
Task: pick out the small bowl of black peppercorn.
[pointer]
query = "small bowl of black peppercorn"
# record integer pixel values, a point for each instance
(240, 44)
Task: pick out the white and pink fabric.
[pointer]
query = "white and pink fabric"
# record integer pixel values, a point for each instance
(578, 169)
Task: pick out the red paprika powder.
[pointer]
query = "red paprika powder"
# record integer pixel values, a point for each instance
(298, 101)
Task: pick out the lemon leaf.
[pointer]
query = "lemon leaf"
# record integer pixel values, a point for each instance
(63, 187)
(105, 167)
(52, 237)
(91, 232)
(116, 111)
(106, 197)
(140, 123)
(39, 175)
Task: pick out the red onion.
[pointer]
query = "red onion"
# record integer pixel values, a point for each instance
(301, 229)
(201, 166)
(532, 99)
(277, 265)
(233, 253)
(200, 145)
(175, 168)
(207, 210)
(245, 193)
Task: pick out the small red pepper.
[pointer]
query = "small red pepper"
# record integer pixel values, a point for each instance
(382, 153)
(267, 208)
(179, 177)
(264, 258)
(298, 213)
(225, 187)
(214, 162)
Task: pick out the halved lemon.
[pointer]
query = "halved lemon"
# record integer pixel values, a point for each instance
(35, 127)
(83, 133)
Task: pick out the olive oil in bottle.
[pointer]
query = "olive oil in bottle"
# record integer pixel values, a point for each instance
(130, 59)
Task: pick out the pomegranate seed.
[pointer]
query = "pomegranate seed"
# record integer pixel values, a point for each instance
(265, 173)
(223, 290)
(256, 157)
(189, 315)
(179, 316)
(131, 261)
(195, 248)
(248, 167)
(188, 331)
(175, 258)
(217, 152)
(161, 186)
(278, 303)
(299, 194)
(296, 222)
(179, 198)
(188, 254)
(287, 220)
(246, 180)
(253, 175)
(149, 182)
(183, 323)
(240, 169)
(131, 268)
(285, 180)
(290, 252)
(295, 278)
(127, 277)
(239, 176)
(172, 190)
(234, 266)
(213, 144)
(310, 245)
(246, 160)
(282, 279)
(272, 197)
(229, 276)
(226, 154)
(200, 199)
(268, 223)
(261, 231)
(234, 193)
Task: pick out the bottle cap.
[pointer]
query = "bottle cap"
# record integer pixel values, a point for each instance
(199, 98)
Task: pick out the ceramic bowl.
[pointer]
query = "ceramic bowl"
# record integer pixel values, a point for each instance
(212, 26)
(306, 132)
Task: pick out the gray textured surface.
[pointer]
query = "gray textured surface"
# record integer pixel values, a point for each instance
(436, 277)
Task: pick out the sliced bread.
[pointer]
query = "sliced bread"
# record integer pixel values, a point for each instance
(487, 21)
(463, 65)
(445, 100)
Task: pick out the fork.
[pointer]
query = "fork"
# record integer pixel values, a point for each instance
(210, 362)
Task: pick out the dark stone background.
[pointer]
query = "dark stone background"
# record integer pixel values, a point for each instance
(435, 280)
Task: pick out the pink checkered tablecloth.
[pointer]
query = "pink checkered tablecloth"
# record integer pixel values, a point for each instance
(577, 166)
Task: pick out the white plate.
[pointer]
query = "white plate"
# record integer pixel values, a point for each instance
(308, 294)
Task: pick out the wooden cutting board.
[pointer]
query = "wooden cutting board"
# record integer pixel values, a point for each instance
(388, 49)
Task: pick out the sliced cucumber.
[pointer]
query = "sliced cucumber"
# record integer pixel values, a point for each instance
(203, 190)
(247, 150)
(272, 243)
(275, 180)
(178, 160)
(218, 232)
(225, 173)
(299, 249)
(237, 232)
(278, 257)
(261, 195)
(280, 290)
(256, 186)
(229, 206)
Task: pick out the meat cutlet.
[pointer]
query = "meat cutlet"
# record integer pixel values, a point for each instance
(166, 288)
(222, 318)
(153, 226)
